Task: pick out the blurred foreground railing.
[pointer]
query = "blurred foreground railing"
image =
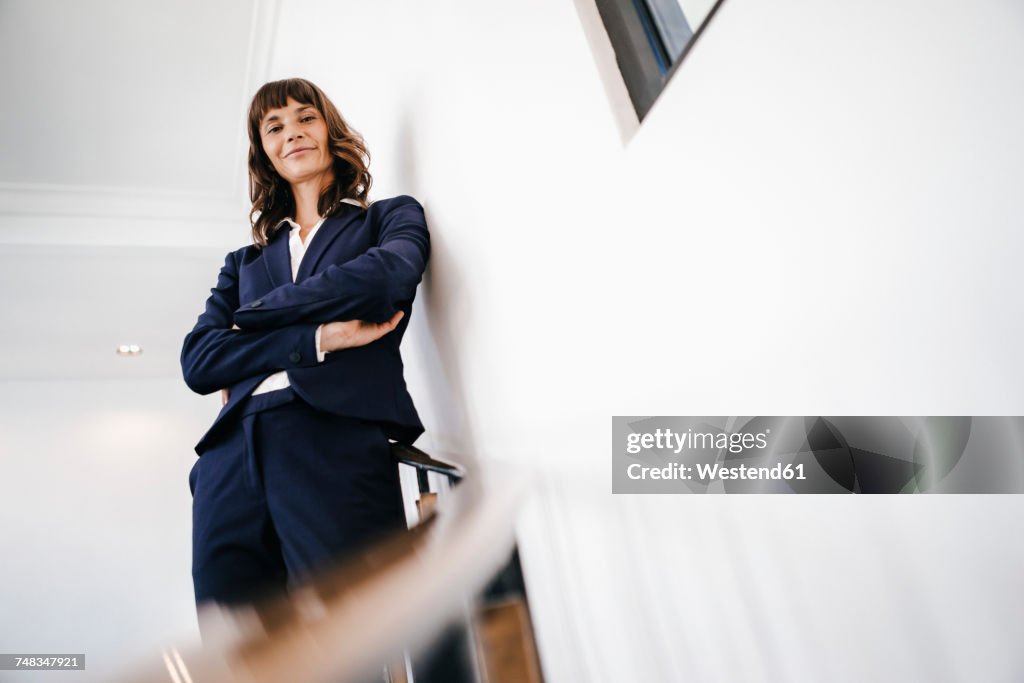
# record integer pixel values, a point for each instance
(449, 591)
(497, 628)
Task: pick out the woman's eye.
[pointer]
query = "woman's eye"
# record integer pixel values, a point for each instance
(308, 118)
(273, 130)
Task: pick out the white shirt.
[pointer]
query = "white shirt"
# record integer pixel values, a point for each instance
(297, 249)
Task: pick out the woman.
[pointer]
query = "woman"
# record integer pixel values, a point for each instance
(302, 333)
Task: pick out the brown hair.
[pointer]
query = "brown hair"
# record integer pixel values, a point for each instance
(271, 195)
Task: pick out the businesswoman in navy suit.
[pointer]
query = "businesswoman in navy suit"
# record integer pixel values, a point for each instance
(302, 334)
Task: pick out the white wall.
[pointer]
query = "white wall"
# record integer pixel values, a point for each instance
(818, 217)
(97, 519)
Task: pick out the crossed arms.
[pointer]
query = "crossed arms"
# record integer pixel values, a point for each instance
(276, 331)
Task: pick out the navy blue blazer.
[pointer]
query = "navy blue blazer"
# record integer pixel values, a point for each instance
(360, 265)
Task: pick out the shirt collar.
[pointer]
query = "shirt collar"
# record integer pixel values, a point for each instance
(295, 226)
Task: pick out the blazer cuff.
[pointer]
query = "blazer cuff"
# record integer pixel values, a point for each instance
(303, 352)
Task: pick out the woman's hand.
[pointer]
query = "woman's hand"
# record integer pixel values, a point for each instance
(350, 333)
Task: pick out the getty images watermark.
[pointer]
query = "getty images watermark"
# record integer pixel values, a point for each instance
(666, 440)
(817, 454)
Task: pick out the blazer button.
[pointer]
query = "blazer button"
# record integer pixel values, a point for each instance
(295, 356)
(256, 304)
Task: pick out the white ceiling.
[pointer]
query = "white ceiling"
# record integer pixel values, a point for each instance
(70, 306)
(122, 175)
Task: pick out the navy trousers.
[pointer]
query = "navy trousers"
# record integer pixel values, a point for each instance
(286, 492)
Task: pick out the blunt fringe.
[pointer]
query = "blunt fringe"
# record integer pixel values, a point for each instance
(271, 195)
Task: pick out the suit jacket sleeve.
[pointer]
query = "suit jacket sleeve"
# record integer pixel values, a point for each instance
(372, 286)
(214, 356)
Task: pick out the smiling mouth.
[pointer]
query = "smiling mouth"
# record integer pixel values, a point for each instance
(298, 151)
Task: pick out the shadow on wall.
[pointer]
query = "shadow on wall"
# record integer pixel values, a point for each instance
(440, 295)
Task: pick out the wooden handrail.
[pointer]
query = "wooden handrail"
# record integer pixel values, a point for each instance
(346, 623)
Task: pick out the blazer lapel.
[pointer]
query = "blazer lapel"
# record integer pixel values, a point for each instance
(324, 237)
(278, 258)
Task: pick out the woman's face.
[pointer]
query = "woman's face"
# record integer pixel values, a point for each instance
(295, 139)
